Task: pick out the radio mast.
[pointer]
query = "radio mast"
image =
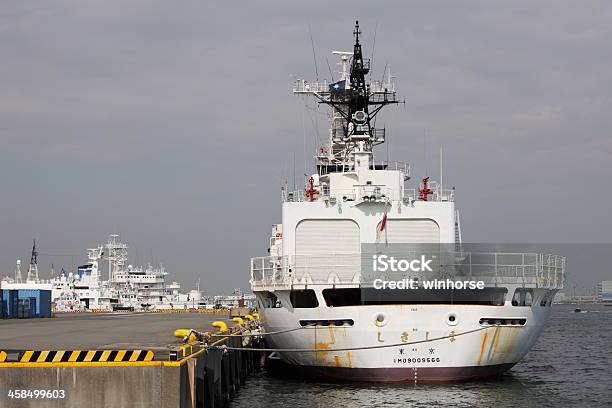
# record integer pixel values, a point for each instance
(18, 278)
(33, 268)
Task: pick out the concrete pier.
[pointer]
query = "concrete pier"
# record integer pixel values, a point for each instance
(93, 330)
(189, 376)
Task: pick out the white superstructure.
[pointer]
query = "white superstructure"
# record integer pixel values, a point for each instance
(127, 287)
(353, 207)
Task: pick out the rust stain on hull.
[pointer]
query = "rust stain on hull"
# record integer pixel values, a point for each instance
(321, 355)
(483, 344)
(494, 341)
(324, 356)
(349, 359)
(345, 361)
(501, 347)
(507, 342)
(332, 335)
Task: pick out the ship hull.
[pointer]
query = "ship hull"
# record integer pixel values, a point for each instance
(423, 375)
(412, 344)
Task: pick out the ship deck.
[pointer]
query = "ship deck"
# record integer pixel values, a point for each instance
(82, 331)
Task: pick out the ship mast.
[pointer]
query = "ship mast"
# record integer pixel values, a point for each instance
(33, 268)
(116, 255)
(354, 104)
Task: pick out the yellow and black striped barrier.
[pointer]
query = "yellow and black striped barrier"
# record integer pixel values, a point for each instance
(84, 356)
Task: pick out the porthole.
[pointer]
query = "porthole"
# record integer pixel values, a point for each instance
(380, 320)
(452, 319)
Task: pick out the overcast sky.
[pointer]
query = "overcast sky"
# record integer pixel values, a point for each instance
(173, 123)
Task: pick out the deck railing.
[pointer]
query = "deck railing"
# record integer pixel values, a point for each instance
(368, 192)
(493, 268)
(322, 87)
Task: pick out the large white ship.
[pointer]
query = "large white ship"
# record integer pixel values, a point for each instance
(127, 287)
(317, 287)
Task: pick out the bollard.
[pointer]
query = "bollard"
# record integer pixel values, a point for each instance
(220, 325)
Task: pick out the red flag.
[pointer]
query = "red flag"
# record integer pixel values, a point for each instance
(383, 223)
(381, 227)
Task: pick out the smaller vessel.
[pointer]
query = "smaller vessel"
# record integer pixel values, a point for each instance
(128, 287)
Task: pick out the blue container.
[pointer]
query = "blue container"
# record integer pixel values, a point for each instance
(10, 300)
(25, 303)
(24, 310)
(43, 304)
(3, 300)
(36, 301)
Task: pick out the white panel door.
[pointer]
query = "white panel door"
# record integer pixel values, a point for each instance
(412, 232)
(326, 237)
(327, 250)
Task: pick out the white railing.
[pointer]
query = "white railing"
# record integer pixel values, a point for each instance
(371, 192)
(412, 194)
(394, 165)
(358, 193)
(494, 268)
(304, 86)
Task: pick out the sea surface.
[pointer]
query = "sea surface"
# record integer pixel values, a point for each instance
(570, 366)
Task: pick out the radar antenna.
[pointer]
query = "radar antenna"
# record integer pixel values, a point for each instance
(354, 105)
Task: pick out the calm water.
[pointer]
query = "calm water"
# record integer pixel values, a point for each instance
(570, 366)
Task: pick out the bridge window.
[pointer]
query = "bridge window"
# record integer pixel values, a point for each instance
(370, 296)
(303, 298)
(267, 300)
(522, 297)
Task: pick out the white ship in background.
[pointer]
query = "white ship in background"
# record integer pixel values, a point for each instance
(315, 278)
(127, 287)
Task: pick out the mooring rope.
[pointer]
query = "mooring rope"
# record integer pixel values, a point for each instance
(379, 346)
